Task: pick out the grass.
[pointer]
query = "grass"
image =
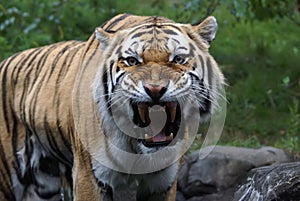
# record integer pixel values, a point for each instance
(261, 63)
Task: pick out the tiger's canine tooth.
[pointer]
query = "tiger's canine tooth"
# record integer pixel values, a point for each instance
(173, 114)
(142, 114)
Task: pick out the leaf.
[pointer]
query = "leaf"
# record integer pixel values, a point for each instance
(286, 81)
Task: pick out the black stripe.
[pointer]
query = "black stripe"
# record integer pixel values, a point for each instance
(58, 126)
(129, 51)
(209, 72)
(91, 41)
(175, 40)
(206, 106)
(117, 20)
(7, 62)
(4, 100)
(91, 56)
(190, 36)
(40, 66)
(4, 67)
(118, 69)
(142, 32)
(59, 55)
(184, 48)
(66, 64)
(135, 42)
(5, 184)
(138, 34)
(105, 86)
(65, 141)
(170, 32)
(34, 54)
(111, 66)
(21, 64)
(15, 133)
(54, 148)
(202, 65)
(25, 85)
(206, 103)
(118, 78)
(71, 55)
(63, 68)
(118, 51)
(173, 26)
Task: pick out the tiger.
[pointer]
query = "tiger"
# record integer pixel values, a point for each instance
(72, 112)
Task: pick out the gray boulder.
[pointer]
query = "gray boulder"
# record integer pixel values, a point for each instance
(214, 172)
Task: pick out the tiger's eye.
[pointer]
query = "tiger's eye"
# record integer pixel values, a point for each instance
(178, 60)
(131, 61)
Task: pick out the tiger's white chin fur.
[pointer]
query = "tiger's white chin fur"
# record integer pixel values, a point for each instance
(136, 185)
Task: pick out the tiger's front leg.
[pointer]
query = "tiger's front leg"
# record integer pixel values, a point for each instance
(171, 195)
(85, 187)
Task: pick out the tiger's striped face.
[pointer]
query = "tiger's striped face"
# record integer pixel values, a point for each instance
(158, 74)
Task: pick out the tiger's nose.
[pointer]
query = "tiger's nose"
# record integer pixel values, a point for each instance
(155, 91)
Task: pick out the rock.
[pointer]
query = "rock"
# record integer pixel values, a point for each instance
(180, 196)
(220, 196)
(222, 169)
(271, 183)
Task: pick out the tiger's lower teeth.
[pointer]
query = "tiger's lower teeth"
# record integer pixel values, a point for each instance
(148, 138)
(170, 137)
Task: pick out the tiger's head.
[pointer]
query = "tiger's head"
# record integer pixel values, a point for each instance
(155, 77)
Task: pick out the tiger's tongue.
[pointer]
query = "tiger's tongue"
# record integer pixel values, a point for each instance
(158, 117)
(159, 138)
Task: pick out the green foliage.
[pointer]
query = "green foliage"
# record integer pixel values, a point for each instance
(257, 47)
(251, 141)
(32, 23)
(5, 47)
(263, 9)
(260, 60)
(291, 138)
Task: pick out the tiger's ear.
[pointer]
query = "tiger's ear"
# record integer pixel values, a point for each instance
(103, 37)
(207, 29)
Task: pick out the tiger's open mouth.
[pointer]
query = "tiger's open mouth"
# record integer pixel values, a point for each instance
(163, 119)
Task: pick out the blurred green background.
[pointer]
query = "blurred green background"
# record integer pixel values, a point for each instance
(257, 46)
